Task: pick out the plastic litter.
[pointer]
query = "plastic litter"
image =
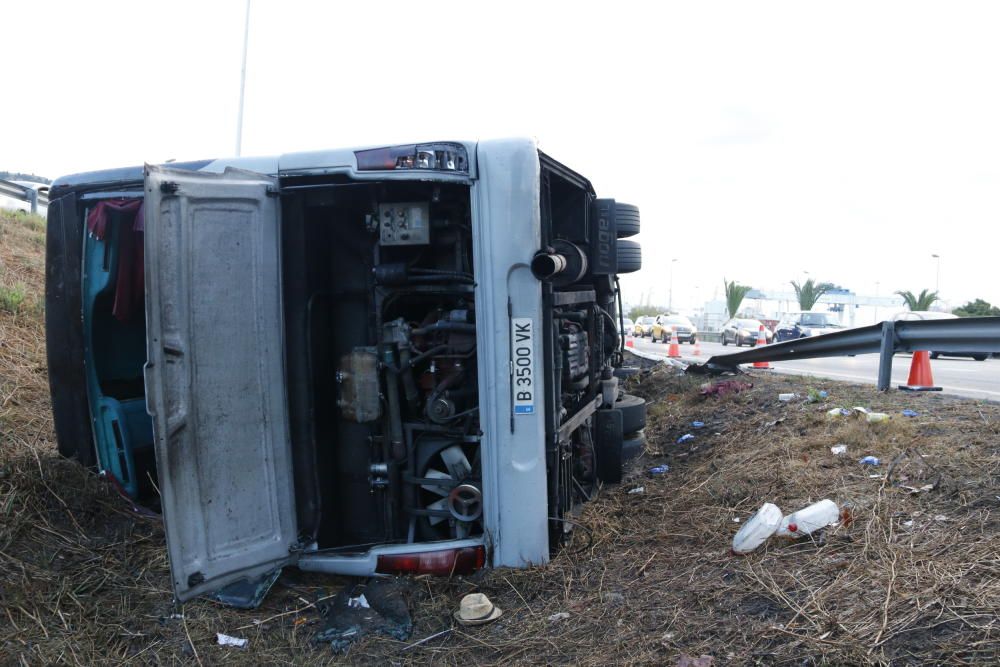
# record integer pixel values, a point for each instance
(809, 519)
(877, 417)
(685, 438)
(724, 387)
(786, 397)
(226, 640)
(559, 616)
(838, 412)
(697, 424)
(659, 470)
(637, 490)
(910, 413)
(815, 396)
(870, 461)
(838, 450)
(757, 529)
(360, 602)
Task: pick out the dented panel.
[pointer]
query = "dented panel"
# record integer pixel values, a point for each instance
(214, 379)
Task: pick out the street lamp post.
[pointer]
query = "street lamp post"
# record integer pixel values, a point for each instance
(243, 82)
(670, 304)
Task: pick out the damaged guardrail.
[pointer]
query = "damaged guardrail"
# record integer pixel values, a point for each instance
(966, 335)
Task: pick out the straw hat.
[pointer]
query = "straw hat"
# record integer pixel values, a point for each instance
(476, 609)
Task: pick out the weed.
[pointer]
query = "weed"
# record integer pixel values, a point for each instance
(12, 298)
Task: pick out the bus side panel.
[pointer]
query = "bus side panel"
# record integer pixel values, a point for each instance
(506, 229)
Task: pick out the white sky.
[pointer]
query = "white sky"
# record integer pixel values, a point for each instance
(863, 136)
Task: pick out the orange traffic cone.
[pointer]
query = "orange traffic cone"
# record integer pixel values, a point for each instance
(761, 341)
(674, 351)
(629, 341)
(920, 378)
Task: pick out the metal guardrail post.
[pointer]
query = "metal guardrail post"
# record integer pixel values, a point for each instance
(885, 355)
(32, 199)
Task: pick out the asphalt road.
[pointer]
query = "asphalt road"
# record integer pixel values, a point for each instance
(961, 376)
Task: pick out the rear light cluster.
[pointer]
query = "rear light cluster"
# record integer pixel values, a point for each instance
(436, 157)
(440, 563)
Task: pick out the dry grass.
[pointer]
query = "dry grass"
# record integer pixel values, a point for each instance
(83, 580)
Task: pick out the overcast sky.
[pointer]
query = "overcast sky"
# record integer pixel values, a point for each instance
(760, 140)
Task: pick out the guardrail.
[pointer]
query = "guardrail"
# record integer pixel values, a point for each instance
(967, 334)
(24, 193)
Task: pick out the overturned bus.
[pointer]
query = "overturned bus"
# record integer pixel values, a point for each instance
(387, 360)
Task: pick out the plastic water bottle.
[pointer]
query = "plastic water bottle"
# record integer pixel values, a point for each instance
(757, 529)
(809, 519)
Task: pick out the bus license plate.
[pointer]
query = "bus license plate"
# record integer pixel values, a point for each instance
(523, 365)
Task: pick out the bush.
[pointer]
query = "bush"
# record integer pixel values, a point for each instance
(12, 298)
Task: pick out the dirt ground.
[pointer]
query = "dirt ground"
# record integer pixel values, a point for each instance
(909, 576)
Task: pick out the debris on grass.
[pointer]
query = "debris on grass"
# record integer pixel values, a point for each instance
(757, 529)
(227, 640)
(724, 388)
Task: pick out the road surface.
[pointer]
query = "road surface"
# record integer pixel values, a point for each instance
(961, 376)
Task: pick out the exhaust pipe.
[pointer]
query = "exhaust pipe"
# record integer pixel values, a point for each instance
(563, 263)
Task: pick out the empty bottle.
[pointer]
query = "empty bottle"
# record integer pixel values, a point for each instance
(809, 519)
(757, 529)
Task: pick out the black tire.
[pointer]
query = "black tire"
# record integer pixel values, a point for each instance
(633, 410)
(980, 357)
(725, 341)
(629, 256)
(64, 331)
(626, 220)
(739, 341)
(935, 355)
(633, 444)
(692, 341)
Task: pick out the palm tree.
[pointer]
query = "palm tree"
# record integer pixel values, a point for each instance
(734, 296)
(921, 301)
(809, 292)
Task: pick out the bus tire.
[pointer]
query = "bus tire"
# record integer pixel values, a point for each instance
(626, 219)
(629, 256)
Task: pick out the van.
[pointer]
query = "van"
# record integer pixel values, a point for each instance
(388, 360)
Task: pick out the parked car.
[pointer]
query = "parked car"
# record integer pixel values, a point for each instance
(343, 360)
(741, 330)
(802, 325)
(644, 326)
(912, 315)
(664, 325)
(628, 326)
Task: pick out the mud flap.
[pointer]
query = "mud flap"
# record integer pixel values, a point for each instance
(609, 445)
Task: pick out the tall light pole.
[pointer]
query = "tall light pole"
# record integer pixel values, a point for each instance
(937, 279)
(670, 305)
(243, 82)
